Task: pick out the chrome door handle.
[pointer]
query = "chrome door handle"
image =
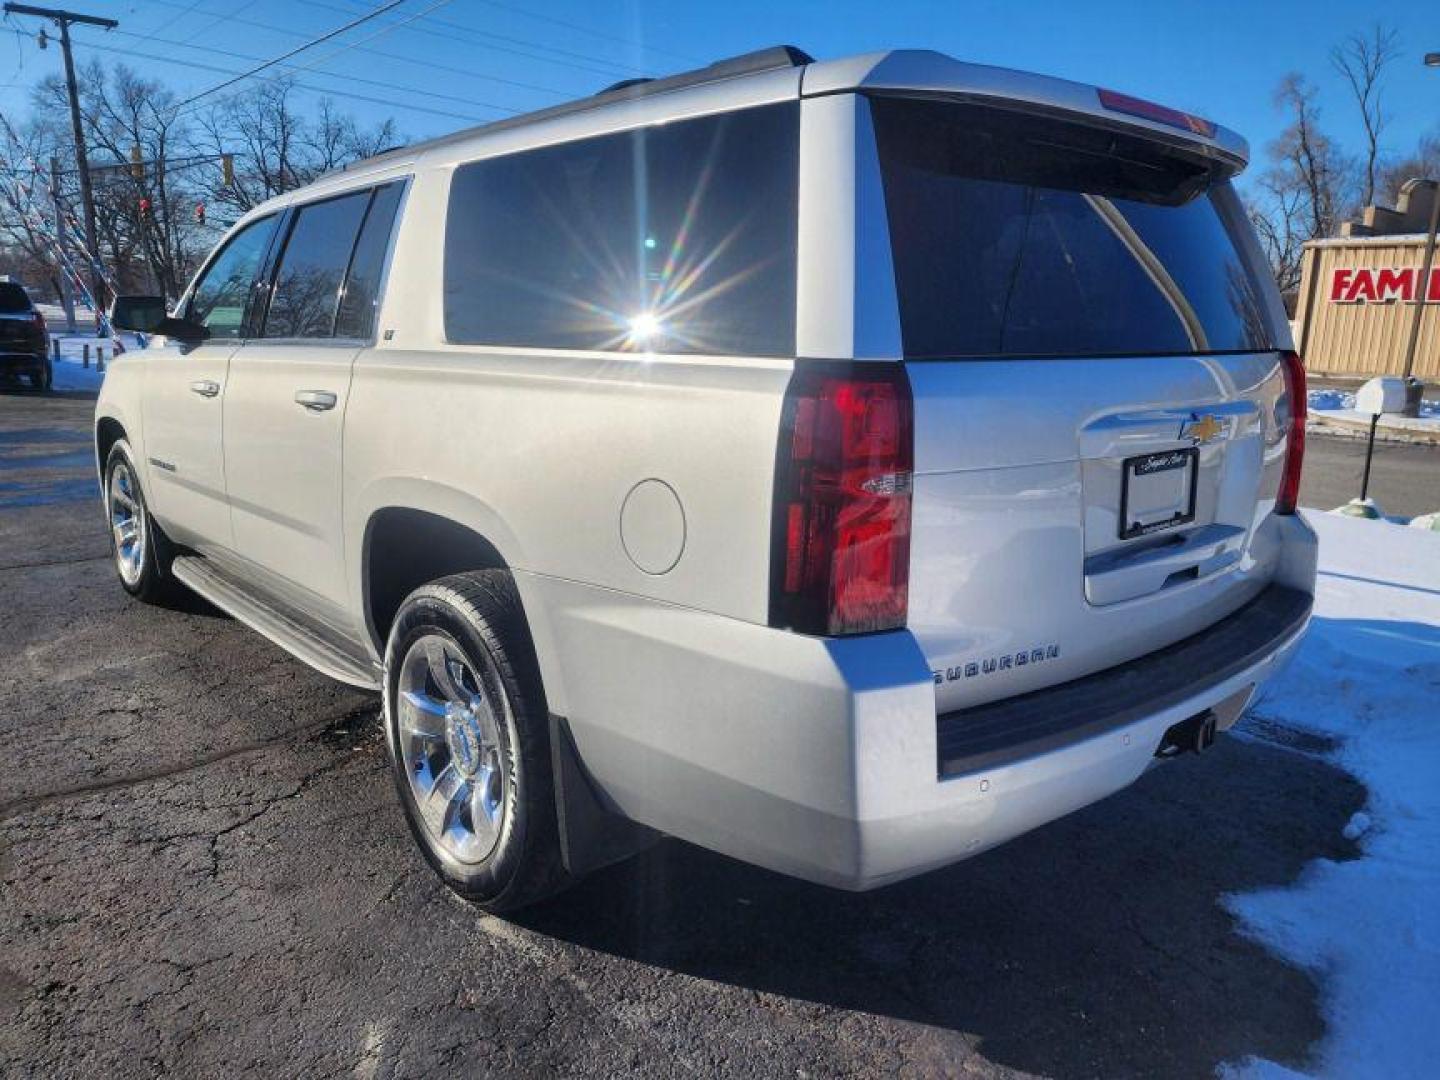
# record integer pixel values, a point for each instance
(315, 400)
(205, 387)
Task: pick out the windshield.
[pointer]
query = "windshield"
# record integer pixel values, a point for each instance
(1014, 235)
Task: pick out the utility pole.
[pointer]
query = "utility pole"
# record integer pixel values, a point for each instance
(63, 19)
(67, 290)
(1422, 294)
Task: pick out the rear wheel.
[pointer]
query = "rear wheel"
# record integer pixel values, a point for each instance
(141, 551)
(468, 730)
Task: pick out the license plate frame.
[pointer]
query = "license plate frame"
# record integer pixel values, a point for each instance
(1147, 467)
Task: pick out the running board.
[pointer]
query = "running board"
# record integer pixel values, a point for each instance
(302, 642)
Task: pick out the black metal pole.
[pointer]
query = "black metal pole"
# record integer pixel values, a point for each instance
(1369, 453)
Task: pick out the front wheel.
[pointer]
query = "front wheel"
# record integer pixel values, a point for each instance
(141, 551)
(468, 732)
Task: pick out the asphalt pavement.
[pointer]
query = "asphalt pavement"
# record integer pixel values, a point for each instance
(204, 872)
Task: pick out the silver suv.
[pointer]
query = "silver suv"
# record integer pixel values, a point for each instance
(845, 466)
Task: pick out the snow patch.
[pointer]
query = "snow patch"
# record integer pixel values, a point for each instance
(1368, 676)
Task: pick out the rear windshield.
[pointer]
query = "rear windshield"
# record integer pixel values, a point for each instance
(1022, 236)
(13, 298)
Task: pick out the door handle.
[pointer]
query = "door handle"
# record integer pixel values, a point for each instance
(205, 387)
(315, 400)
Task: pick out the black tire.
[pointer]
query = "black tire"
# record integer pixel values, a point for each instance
(153, 584)
(480, 613)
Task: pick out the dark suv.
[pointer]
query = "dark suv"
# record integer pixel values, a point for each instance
(24, 343)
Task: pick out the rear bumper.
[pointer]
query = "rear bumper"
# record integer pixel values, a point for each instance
(824, 759)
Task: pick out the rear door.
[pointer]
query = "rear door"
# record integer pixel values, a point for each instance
(1098, 392)
(185, 390)
(285, 405)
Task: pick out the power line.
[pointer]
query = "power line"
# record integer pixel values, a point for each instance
(322, 74)
(226, 17)
(427, 64)
(290, 32)
(298, 49)
(385, 29)
(389, 102)
(459, 32)
(620, 38)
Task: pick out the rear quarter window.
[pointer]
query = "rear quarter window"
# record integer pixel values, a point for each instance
(677, 237)
(1017, 236)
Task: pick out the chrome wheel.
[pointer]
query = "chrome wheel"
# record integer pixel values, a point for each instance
(127, 522)
(453, 724)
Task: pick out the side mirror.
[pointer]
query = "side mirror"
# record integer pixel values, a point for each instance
(143, 314)
(184, 331)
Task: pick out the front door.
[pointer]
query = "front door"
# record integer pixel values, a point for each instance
(285, 403)
(185, 389)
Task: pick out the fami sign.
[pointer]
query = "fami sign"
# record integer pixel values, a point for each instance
(1383, 285)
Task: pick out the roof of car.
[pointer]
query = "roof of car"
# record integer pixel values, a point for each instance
(774, 74)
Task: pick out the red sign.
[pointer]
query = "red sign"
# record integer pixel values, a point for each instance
(1364, 285)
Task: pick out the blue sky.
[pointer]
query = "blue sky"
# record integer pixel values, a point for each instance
(483, 59)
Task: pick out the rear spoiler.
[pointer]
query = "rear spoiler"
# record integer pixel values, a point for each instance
(921, 72)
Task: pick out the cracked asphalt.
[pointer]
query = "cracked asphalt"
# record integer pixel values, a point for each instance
(203, 872)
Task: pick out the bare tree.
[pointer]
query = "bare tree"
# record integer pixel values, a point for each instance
(1307, 160)
(1423, 162)
(1361, 59)
(1278, 213)
(276, 148)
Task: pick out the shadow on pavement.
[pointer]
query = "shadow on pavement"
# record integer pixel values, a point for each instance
(1095, 946)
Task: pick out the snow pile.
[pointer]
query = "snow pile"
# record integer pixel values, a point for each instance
(1327, 400)
(1368, 676)
(1343, 401)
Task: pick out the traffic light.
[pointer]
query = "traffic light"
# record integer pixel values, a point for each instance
(144, 207)
(199, 213)
(227, 169)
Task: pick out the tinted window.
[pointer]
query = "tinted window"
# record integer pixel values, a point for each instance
(13, 298)
(1013, 235)
(219, 297)
(673, 238)
(362, 286)
(312, 266)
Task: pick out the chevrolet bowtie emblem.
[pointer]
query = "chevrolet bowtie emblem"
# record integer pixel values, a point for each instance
(1201, 429)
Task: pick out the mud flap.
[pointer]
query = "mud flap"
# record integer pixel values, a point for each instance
(591, 836)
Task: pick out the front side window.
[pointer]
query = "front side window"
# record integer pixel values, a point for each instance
(219, 298)
(678, 237)
(1015, 235)
(312, 267)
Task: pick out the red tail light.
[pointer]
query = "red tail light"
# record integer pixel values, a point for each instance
(1295, 393)
(841, 548)
(39, 321)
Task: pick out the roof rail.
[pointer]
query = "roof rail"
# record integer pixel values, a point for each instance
(778, 56)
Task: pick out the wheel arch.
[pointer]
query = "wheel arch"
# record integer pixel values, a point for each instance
(420, 535)
(108, 431)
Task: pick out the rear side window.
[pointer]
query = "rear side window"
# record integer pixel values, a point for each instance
(677, 237)
(362, 285)
(312, 268)
(13, 298)
(1019, 236)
